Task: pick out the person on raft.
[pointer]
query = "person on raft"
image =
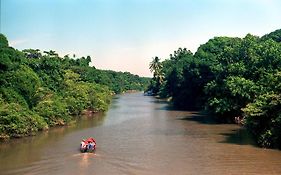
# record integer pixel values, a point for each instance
(88, 145)
(91, 144)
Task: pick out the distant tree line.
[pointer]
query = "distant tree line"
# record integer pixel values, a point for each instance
(40, 89)
(232, 78)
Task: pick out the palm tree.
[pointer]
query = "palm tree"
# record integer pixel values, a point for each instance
(156, 66)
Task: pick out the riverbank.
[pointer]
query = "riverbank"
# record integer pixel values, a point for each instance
(40, 89)
(141, 135)
(235, 79)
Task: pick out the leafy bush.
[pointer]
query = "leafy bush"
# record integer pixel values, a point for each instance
(10, 96)
(25, 81)
(80, 95)
(53, 110)
(263, 117)
(17, 121)
(98, 97)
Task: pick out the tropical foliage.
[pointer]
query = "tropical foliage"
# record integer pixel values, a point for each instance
(232, 78)
(40, 89)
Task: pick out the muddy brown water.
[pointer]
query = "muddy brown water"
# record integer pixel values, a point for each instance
(141, 135)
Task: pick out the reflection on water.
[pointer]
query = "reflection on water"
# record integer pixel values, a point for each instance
(141, 135)
(84, 163)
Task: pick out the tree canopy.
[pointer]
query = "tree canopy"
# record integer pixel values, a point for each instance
(235, 79)
(39, 89)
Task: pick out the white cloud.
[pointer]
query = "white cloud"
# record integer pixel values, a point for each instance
(18, 42)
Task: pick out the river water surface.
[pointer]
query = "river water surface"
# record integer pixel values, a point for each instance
(140, 135)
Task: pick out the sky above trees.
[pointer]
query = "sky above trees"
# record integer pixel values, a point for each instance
(124, 35)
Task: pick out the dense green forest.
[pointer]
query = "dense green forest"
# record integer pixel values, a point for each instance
(40, 89)
(235, 79)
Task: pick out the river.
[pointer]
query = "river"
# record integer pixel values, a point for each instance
(140, 135)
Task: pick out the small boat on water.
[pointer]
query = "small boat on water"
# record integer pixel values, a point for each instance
(88, 145)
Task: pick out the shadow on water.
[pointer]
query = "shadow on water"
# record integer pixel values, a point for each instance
(200, 118)
(239, 136)
(159, 101)
(169, 107)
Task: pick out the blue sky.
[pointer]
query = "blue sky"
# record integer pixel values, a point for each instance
(124, 35)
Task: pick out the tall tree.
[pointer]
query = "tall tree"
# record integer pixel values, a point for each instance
(158, 76)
